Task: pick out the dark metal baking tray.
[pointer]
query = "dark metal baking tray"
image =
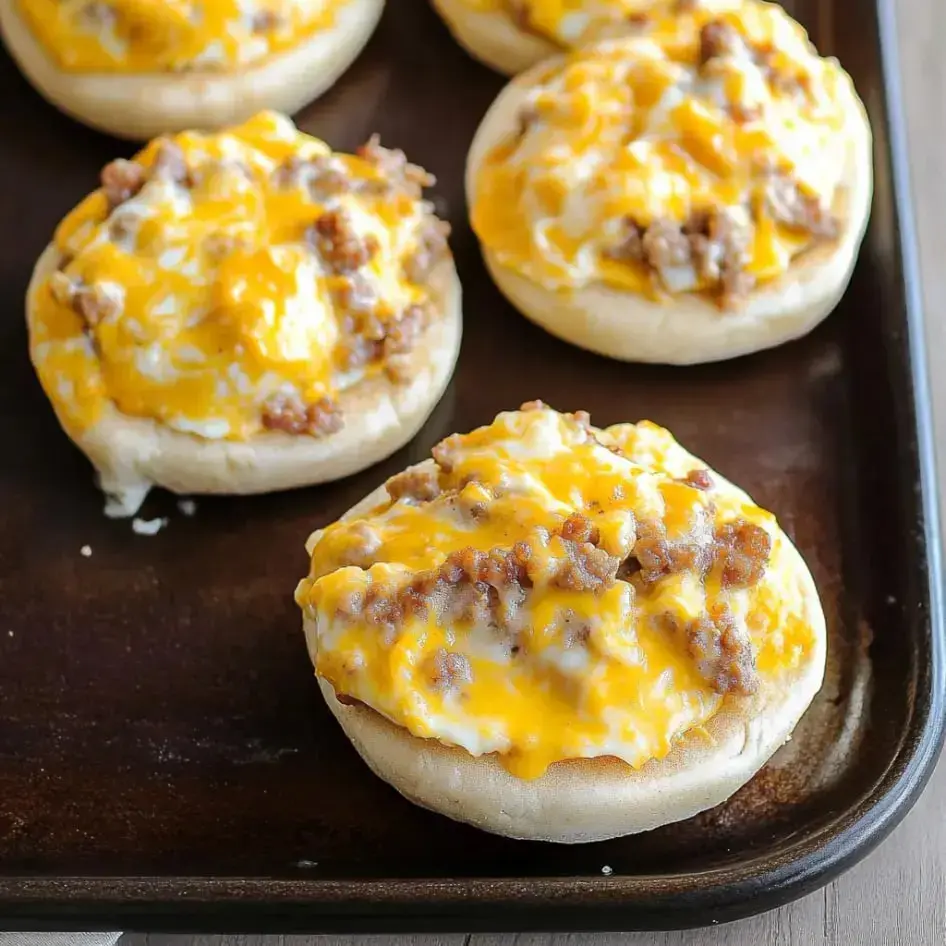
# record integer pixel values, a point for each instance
(165, 758)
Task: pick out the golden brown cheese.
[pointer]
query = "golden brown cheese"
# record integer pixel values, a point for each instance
(721, 119)
(172, 35)
(240, 276)
(538, 660)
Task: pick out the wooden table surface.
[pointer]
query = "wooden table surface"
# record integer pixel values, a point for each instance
(897, 896)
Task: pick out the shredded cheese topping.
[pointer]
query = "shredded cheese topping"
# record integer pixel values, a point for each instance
(223, 284)
(570, 23)
(131, 36)
(485, 606)
(701, 156)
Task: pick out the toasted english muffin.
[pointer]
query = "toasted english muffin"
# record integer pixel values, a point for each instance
(556, 632)
(690, 195)
(141, 70)
(245, 311)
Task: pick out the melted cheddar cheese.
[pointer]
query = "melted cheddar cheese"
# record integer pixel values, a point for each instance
(570, 672)
(649, 128)
(210, 299)
(571, 23)
(172, 35)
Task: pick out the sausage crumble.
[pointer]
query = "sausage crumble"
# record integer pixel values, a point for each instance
(290, 415)
(418, 485)
(742, 550)
(709, 244)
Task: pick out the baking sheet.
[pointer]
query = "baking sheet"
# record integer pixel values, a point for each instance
(165, 757)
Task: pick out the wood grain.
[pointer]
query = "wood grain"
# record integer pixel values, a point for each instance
(897, 897)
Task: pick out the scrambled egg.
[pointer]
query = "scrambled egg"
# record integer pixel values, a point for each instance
(210, 300)
(159, 35)
(550, 670)
(645, 128)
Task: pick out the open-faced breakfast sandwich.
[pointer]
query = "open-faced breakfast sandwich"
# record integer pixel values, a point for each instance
(245, 311)
(141, 68)
(688, 195)
(557, 632)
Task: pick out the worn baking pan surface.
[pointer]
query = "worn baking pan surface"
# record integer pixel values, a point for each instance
(165, 757)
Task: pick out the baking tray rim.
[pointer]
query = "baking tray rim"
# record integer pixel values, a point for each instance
(655, 902)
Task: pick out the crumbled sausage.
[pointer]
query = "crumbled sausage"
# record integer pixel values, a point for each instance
(577, 528)
(699, 479)
(339, 245)
(383, 606)
(721, 649)
(448, 671)
(288, 414)
(585, 567)
(788, 205)
(431, 249)
(631, 247)
(322, 176)
(497, 567)
(665, 245)
(366, 338)
(394, 165)
(742, 550)
(719, 245)
(419, 485)
(712, 244)
(402, 333)
(400, 338)
(471, 585)
(533, 406)
(782, 79)
(659, 557)
(719, 39)
(121, 180)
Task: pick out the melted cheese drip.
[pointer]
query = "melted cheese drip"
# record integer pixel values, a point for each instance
(631, 690)
(161, 35)
(205, 338)
(631, 129)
